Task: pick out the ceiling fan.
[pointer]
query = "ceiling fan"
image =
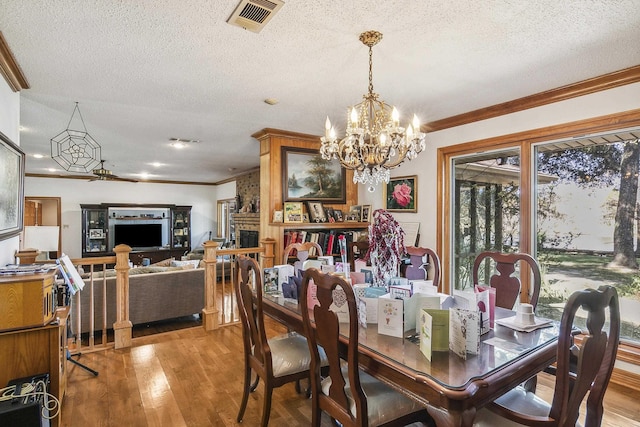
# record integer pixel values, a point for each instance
(102, 174)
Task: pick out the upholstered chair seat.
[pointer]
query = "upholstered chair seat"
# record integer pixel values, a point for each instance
(290, 354)
(519, 400)
(383, 402)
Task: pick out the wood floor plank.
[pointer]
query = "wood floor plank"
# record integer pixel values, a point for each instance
(194, 378)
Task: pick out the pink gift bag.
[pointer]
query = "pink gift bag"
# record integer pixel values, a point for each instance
(492, 301)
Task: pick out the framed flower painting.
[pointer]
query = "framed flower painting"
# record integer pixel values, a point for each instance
(401, 194)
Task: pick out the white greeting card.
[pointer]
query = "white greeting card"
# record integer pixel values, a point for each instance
(284, 272)
(413, 307)
(390, 316)
(423, 287)
(433, 327)
(464, 332)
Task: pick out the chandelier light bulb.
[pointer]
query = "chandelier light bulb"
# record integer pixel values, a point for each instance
(416, 123)
(395, 116)
(354, 117)
(327, 128)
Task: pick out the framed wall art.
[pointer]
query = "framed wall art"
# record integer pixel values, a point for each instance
(306, 176)
(11, 188)
(401, 194)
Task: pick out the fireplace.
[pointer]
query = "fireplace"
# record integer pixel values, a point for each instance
(248, 239)
(247, 226)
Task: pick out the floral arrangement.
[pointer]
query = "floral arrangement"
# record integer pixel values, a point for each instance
(386, 246)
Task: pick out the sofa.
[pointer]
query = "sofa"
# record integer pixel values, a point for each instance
(155, 293)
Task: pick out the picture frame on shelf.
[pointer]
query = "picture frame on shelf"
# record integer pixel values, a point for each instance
(328, 212)
(401, 194)
(293, 212)
(366, 213)
(316, 212)
(337, 215)
(96, 233)
(355, 214)
(306, 176)
(278, 216)
(11, 188)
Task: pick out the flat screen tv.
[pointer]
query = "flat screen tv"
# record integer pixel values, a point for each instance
(138, 235)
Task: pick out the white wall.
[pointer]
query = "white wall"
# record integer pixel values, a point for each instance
(425, 166)
(10, 127)
(74, 192)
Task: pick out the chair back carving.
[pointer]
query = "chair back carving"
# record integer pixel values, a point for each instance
(507, 286)
(301, 251)
(327, 335)
(256, 347)
(595, 356)
(416, 270)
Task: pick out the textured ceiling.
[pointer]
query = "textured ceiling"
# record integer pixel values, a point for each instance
(146, 71)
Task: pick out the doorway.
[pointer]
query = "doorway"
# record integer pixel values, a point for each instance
(45, 211)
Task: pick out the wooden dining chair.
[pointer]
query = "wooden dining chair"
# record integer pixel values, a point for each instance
(346, 394)
(278, 360)
(417, 271)
(595, 354)
(508, 286)
(302, 251)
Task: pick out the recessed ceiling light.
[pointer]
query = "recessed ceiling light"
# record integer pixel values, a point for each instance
(271, 101)
(182, 142)
(38, 156)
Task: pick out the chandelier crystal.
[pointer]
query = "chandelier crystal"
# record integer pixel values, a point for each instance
(375, 142)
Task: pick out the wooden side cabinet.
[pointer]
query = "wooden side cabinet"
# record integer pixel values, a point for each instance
(32, 351)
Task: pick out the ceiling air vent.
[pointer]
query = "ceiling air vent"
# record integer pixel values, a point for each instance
(253, 15)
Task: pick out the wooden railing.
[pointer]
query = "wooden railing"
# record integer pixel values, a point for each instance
(220, 300)
(219, 296)
(97, 288)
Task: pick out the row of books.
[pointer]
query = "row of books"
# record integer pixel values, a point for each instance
(328, 240)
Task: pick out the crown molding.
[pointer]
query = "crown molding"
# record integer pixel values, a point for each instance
(574, 90)
(10, 68)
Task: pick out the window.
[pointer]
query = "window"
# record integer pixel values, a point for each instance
(557, 199)
(486, 203)
(226, 226)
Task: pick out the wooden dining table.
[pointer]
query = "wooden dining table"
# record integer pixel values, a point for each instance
(452, 388)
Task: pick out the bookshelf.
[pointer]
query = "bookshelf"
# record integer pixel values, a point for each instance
(271, 187)
(326, 234)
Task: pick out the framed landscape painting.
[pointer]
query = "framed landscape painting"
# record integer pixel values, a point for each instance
(401, 194)
(11, 188)
(307, 176)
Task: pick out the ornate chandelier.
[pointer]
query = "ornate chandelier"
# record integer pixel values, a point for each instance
(374, 142)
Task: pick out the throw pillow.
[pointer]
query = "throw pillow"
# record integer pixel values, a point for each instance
(163, 263)
(193, 263)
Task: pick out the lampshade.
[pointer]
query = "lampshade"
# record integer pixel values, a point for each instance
(41, 237)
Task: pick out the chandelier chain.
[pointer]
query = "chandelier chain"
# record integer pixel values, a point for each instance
(370, 69)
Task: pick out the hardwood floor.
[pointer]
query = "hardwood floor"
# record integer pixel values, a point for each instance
(189, 377)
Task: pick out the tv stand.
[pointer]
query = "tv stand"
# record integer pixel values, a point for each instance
(98, 222)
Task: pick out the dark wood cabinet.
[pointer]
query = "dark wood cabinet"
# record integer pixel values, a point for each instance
(169, 226)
